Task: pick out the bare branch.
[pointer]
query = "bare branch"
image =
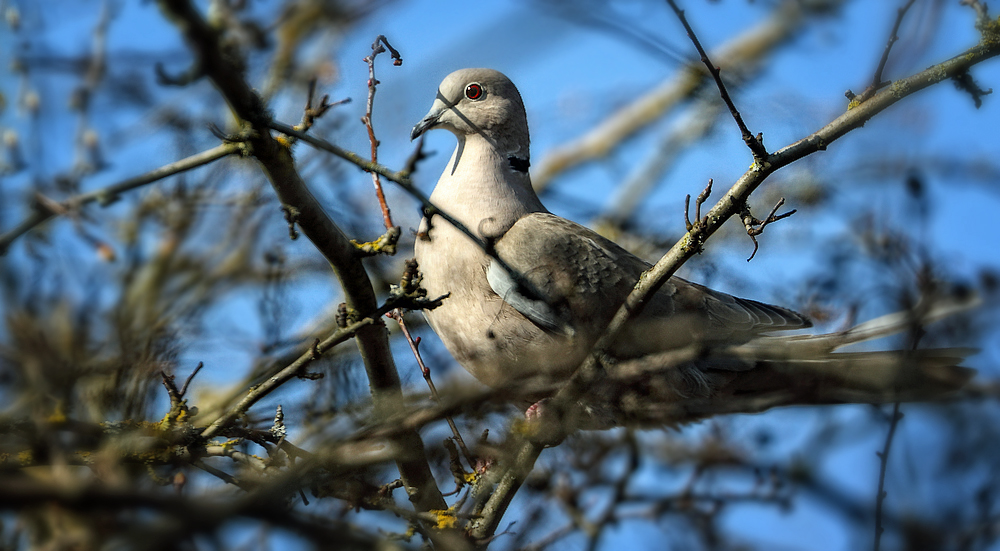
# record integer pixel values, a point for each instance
(737, 195)
(291, 371)
(397, 314)
(756, 227)
(226, 73)
(753, 142)
(877, 82)
(377, 48)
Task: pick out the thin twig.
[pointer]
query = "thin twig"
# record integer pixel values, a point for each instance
(754, 143)
(619, 491)
(756, 227)
(187, 381)
(297, 369)
(292, 370)
(397, 314)
(702, 197)
(377, 48)
(877, 82)
(310, 113)
(883, 463)
(746, 52)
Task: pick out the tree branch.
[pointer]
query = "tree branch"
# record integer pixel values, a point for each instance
(753, 142)
(224, 68)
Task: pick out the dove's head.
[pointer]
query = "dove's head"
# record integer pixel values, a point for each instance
(479, 101)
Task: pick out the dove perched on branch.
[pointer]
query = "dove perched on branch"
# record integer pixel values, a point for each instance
(528, 299)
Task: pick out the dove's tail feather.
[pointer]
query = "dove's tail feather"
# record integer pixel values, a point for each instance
(705, 379)
(692, 388)
(926, 312)
(862, 377)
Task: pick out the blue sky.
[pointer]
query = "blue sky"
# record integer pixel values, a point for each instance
(572, 76)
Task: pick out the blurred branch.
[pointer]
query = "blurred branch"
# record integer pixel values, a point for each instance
(294, 369)
(224, 68)
(397, 315)
(202, 512)
(44, 210)
(695, 124)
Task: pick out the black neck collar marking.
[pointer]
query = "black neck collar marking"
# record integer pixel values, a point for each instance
(520, 165)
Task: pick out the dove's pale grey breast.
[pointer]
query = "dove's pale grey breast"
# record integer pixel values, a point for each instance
(581, 277)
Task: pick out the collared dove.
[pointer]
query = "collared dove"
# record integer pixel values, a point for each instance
(533, 315)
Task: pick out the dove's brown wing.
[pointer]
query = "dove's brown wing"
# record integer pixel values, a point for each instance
(585, 278)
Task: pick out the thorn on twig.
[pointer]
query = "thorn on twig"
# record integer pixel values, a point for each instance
(702, 197)
(756, 227)
(418, 155)
(310, 113)
(187, 381)
(291, 217)
(315, 351)
(877, 82)
(965, 83)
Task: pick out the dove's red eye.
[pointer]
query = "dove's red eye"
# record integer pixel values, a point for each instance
(474, 91)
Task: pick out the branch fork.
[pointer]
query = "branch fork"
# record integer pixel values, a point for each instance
(756, 227)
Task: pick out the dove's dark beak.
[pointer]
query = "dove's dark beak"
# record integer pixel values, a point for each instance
(429, 121)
